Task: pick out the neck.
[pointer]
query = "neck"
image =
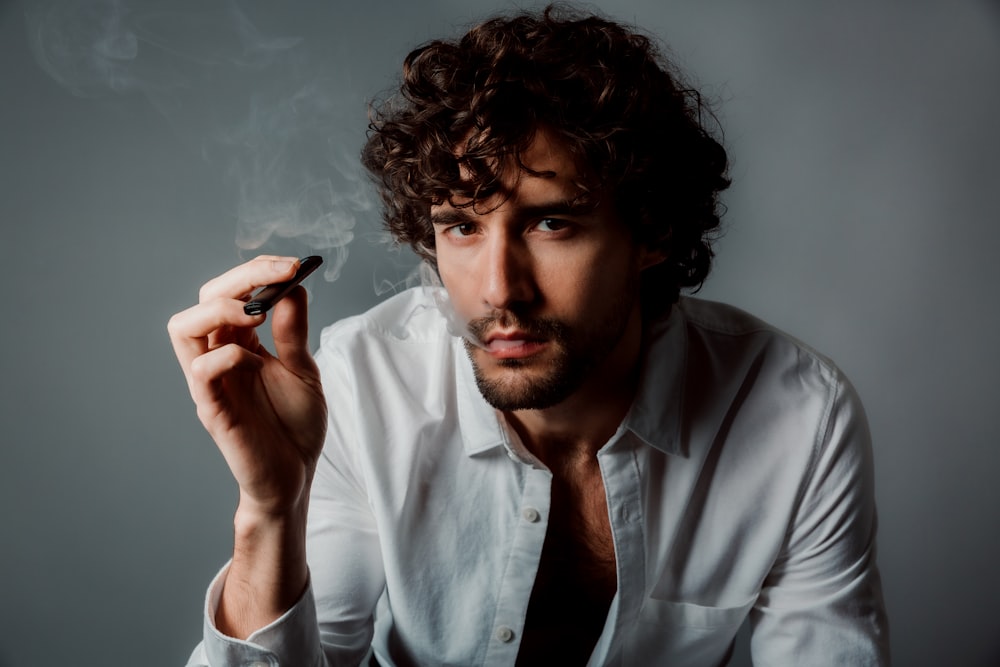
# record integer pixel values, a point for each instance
(575, 429)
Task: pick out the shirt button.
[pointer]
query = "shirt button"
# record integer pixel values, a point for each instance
(530, 514)
(504, 634)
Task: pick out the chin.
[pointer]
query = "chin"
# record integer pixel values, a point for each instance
(513, 386)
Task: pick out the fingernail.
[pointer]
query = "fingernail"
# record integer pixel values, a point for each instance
(281, 265)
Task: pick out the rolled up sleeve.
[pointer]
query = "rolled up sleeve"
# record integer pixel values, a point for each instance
(291, 639)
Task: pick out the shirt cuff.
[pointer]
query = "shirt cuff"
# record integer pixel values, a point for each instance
(291, 639)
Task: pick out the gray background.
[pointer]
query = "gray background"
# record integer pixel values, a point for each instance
(863, 220)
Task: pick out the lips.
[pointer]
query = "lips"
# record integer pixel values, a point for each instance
(513, 345)
(502, 344)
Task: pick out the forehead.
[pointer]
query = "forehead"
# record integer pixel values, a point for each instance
(547, 169)
(547, 153)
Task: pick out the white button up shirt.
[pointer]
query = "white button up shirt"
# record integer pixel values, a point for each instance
(739, 483)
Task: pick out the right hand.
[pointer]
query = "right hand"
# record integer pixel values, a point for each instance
(266, 412)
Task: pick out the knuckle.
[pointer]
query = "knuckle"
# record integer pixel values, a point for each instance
(175, 325)
(205, 293)
(206, 414)
(229, 356)
(216, 363)
(198, 369)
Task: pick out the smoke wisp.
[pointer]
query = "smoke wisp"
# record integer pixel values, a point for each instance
(273, 113)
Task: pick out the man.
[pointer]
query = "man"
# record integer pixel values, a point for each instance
(592, 469)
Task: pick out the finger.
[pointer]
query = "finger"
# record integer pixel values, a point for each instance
(242, 280)
(290, 331)
(208, 373)
(190, 329)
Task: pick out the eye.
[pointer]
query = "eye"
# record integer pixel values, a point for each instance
(461, 229)
(551, 225)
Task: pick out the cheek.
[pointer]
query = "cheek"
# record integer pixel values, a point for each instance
(607, 291)
(595, 275)
(458, 284)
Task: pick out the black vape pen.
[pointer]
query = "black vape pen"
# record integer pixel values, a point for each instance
(262, 301)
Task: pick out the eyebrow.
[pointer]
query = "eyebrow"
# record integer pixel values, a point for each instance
(451, 216)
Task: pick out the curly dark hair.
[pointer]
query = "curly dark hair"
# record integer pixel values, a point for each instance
(638, 133)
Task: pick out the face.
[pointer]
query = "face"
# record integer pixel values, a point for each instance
(550, 291)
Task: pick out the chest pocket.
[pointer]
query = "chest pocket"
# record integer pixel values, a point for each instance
(683, 633)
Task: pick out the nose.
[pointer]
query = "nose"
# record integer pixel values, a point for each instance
(507, 276)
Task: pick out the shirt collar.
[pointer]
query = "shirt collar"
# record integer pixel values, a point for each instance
(655, 415)
(481, 427)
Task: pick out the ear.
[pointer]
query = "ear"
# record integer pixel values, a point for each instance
(651, 257)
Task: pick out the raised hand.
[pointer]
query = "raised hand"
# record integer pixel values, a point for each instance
(265, 411)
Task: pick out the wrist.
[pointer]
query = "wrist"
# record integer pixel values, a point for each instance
(268, 573)
(255, 516)
(269, 548)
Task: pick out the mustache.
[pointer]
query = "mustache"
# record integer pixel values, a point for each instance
(534, 327)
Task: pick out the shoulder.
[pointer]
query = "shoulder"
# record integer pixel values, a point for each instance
(718, 332)
(745, 374)
(726, 320)
(404, 334)
(412, 312)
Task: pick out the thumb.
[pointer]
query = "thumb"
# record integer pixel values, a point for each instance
(290, 331)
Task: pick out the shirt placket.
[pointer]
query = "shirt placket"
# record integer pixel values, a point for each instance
(620, 472)
(522, 567)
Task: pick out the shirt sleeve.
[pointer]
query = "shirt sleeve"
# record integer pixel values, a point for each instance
(291, 639)
(821, 603)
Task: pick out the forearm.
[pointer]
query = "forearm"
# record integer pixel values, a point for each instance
(268, 573)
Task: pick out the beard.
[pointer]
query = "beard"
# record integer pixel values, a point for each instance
(571, 356)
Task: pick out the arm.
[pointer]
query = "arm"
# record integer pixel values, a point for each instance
(822, 603)
(267, 415)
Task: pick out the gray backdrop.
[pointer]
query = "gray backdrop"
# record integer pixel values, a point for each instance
(139, 140)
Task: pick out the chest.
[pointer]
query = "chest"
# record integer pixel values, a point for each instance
(578, 543)
(577, 577)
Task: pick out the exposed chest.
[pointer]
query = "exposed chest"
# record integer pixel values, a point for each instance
(579, 544)
(577, 576)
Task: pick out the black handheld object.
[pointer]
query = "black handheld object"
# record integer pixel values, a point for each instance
(262, 301)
